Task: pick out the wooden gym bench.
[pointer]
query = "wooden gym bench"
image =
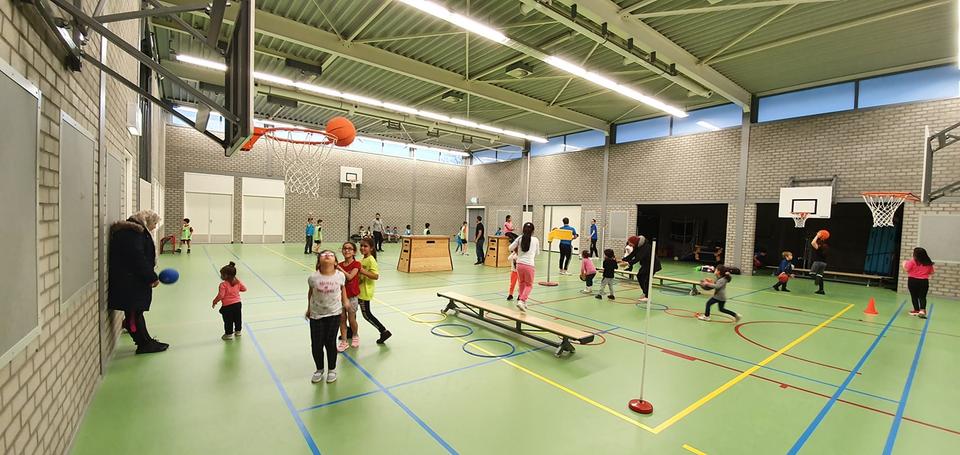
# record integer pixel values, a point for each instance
(681, 283)
(842, 277)
(477, 309)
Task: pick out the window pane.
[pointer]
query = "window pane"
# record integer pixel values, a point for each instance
(396, 149)
(584, 140)
(366, 145)
(927, 84)
(484, 157)
(554, 145)
(451, 159)
(427, 154)
(643, 129)
(703, 120)
(189, 113)
(832, 98)
(510, 152)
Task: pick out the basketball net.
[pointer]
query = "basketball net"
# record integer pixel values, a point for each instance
(884, 205)
(799, 219)
(301, 153)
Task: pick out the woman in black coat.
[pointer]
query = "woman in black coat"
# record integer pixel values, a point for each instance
(132, 279)
(641, 255)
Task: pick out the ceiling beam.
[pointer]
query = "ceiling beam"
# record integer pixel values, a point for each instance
(745, 34)
(200, 74)
(722, 8)
(363, 26)
(295, 32)
(833, 28)
(630, 27)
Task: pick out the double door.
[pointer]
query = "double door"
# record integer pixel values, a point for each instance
(263, 219)
(211, 216)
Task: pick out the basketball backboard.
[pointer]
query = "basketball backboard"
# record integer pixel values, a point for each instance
(351, 175)
(238, 81)
(815, 200)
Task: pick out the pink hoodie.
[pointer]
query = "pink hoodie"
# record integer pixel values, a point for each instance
(230, 292)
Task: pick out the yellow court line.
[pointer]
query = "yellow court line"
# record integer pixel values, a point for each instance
(288, 258)
(693, 449)
(693, 407)
(553, 383)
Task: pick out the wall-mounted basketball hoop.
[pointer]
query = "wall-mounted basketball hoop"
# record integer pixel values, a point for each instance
(884, 205)
(800, 219)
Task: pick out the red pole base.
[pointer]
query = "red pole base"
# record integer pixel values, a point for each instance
(548, 283)
(641, 406)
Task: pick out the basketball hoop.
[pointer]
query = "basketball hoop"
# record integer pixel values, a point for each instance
(301, 153)
(884, 205)
(799, 219)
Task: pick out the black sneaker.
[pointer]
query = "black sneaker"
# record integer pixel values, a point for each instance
(820, 292)
(611, 297)
(785, 290)
(599, 297)
(151, 348)
(384, 336)
(510, 297)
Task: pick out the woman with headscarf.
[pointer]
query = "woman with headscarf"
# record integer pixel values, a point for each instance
(132, 258)
(641, 254)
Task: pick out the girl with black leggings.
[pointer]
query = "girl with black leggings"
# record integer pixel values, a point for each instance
(918, 271)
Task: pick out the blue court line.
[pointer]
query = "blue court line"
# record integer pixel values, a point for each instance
(396, 400)
(283, 393)
(748, 362)
(421, 379)
(207, 253)
(853, 373)
(892, 436)
(254, 273)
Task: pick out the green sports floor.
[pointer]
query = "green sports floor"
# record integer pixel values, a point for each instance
(800, 373)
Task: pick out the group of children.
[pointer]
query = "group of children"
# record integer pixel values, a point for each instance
(336, 290)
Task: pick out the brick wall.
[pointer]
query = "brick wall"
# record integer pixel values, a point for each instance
(390, 187)
(872, 149)
(45, 389)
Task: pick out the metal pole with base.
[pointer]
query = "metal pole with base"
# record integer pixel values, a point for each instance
(549, 261)
(640, 405)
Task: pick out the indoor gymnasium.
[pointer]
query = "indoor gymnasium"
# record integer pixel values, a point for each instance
(479, 227)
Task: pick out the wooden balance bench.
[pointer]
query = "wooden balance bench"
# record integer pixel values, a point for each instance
(843, 277)
(679, 284)
(478, 309)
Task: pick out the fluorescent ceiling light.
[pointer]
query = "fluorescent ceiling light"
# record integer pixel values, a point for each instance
(459, 20)
(279, 80)
(201, 62)
(613, 86)
(708, 125)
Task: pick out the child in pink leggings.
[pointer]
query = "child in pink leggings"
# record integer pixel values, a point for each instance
(526, 247)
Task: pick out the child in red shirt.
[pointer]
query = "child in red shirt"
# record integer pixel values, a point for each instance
(229, 298)
(918, 271)
(348, 319)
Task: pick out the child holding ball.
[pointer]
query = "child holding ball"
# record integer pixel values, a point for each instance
(784, 272)
(719, 293)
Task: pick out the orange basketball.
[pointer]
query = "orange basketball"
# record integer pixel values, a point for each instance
(343, 129)
(823, 234)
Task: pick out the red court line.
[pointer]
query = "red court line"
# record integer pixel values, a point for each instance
(802, 359)
(846, 318)
(678, 354)
(780, 384)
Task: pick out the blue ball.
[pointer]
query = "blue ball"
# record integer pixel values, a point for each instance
(169, 276)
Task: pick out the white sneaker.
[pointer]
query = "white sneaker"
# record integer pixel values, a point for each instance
(228, 336)
(737, 317)
(643, 300)
(331, 376)
(521, 305)
(317, 376)
(702, 317)
(586, 291)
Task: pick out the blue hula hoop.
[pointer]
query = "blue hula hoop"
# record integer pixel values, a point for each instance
(434, 328)
(487, 356)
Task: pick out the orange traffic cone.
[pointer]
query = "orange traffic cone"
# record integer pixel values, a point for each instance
(871, 307)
